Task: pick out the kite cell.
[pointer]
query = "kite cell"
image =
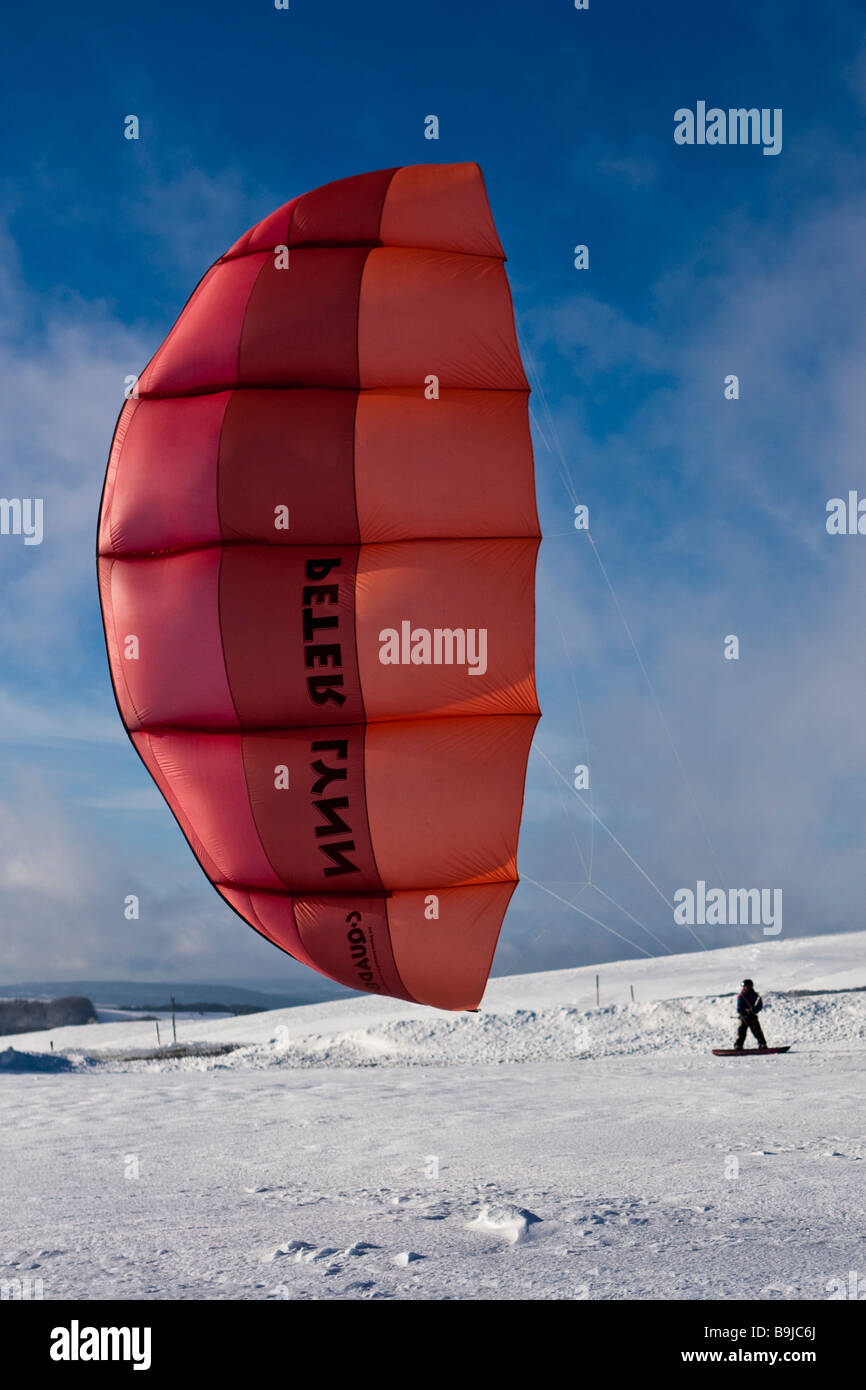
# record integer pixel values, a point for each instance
(316, 553)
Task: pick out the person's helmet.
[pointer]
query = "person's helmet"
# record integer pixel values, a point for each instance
(748, 984)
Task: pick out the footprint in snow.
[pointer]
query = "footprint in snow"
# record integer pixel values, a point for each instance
(313, 1255)
(424, 1208)
(305, 1253)
(294, 1247)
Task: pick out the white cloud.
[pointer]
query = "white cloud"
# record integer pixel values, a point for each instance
(710, 518)
(61, 388)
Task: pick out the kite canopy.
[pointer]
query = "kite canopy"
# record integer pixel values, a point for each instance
(317, 550)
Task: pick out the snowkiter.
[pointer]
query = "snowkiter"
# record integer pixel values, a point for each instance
(749, 1005)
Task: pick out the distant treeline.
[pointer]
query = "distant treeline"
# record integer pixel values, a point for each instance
(34, 1015)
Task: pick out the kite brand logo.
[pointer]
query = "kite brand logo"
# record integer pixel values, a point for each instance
(329, 807)
(77, 1343)
(737, 126)
(322, 688)
(360, 955)
(745, 907)
(22, 516)
(443, 646)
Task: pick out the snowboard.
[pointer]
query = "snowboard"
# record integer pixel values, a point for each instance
(748, 1051)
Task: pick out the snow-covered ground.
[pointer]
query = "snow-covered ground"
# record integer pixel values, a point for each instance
(542, 1148)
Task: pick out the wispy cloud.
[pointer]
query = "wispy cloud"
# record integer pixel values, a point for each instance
(710, 518)
(26, 725)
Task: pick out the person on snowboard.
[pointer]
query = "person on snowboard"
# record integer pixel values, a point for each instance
(749, 1005)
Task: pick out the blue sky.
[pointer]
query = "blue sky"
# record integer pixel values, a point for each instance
(708, 514)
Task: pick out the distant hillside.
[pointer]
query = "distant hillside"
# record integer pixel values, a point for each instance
(34, 1015)
(153, 995)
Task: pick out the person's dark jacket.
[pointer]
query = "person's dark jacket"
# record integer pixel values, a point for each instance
(749, 1001)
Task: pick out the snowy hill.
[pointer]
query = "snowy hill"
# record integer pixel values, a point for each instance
(367, 1149)
(681, 1004)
